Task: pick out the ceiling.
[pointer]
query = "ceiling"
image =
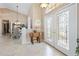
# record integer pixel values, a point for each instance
(23, 7)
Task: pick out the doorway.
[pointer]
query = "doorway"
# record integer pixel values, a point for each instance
(5, 27)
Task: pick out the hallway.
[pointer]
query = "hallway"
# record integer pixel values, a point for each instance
(10, 47)
(54, 23)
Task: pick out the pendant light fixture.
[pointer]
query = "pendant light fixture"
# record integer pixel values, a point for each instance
(17, 12)
(17, 21)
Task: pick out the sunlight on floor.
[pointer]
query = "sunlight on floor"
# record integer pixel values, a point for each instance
(10, 47)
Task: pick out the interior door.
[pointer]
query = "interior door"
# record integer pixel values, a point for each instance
(5, 26)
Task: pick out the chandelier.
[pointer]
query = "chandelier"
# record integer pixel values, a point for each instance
(17, 21)
(44, 5)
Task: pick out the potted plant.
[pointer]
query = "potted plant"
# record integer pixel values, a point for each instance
(77, 51)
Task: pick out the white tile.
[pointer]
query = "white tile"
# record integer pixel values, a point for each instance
(10, 47)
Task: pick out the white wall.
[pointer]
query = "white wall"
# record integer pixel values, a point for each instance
(2, 5)
(78, 20)
(72, 30)
(36, 16)
(0, 28)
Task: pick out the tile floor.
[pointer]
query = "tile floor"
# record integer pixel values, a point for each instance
(10, 47)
